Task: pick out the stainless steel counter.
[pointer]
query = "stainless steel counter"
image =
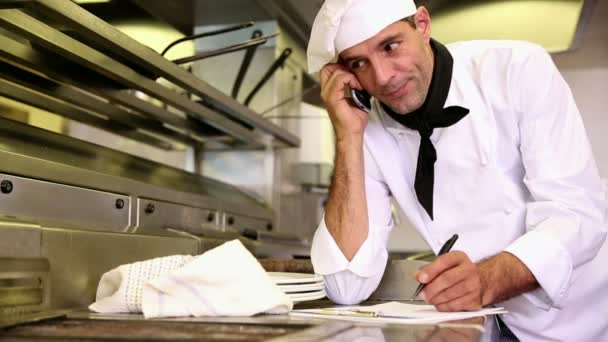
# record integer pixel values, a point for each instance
(83, 325)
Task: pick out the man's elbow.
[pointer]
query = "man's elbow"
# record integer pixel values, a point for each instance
(350, 289)
(347, 298)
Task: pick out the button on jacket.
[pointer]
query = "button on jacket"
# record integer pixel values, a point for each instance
(516, 174)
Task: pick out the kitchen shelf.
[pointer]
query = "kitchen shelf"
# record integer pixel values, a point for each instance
(82, 54)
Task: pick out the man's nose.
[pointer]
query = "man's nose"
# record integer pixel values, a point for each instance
(382, 73)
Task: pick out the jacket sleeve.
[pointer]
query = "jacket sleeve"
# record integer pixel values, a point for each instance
(351, 282)
(566, 215)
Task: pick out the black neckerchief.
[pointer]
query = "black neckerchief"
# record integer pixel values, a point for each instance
(429, 116)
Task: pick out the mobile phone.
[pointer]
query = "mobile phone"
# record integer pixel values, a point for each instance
(361, 99)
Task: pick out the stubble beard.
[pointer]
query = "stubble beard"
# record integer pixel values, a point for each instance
(408, 103)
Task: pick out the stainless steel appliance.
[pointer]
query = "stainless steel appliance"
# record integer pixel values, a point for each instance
(80, 209)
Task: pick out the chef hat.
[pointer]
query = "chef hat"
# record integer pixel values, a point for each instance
(341, 24)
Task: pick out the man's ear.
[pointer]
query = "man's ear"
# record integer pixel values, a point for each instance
(423, 22)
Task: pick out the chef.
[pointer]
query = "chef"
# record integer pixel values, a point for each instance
(482, 139)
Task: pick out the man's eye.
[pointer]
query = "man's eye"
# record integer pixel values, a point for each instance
(391, 46)
(357, 64)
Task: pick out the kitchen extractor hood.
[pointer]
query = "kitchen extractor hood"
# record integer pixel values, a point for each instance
(554, 24)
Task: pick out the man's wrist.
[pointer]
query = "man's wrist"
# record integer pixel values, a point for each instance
(347, 140)
(504, 276)
(350, 149)
(486, 274)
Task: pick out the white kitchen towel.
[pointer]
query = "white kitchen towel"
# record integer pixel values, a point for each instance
(224, 281)
(120, 290)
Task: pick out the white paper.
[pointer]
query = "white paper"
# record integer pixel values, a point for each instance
(396, 312)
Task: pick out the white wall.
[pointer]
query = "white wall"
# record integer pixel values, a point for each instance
(590, 89)
(586, 71)
(318, 144)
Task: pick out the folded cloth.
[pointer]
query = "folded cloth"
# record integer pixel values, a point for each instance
(224, 281)
(120, 290)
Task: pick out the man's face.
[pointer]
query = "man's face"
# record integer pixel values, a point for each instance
(395, 66)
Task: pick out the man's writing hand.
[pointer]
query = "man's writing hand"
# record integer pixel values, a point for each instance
(453, 283)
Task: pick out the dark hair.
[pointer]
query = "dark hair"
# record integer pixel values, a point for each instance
(410, 20)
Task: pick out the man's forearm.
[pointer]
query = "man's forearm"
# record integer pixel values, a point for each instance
(504, 276)
(346, 214)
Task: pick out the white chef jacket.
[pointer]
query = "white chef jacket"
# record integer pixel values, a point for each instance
(516, 174)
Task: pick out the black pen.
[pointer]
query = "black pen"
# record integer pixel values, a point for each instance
(444, 249)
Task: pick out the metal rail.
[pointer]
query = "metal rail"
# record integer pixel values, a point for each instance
(249, 53)
(207, 34)
(88, 102)
(90, 58)
(23, 56)
(111, 39)
(224, 50)
(33, 98)
(278, 63)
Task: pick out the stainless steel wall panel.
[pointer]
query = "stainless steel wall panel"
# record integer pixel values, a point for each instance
(24, 285)
(31, 152)
(240, 222)
(63, 205)
(155, 216)
(79, 258)
(19, 239)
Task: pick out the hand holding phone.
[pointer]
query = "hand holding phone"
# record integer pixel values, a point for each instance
(348, 118)
(360, 98)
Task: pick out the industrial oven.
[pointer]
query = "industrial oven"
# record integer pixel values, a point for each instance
(71, 210)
